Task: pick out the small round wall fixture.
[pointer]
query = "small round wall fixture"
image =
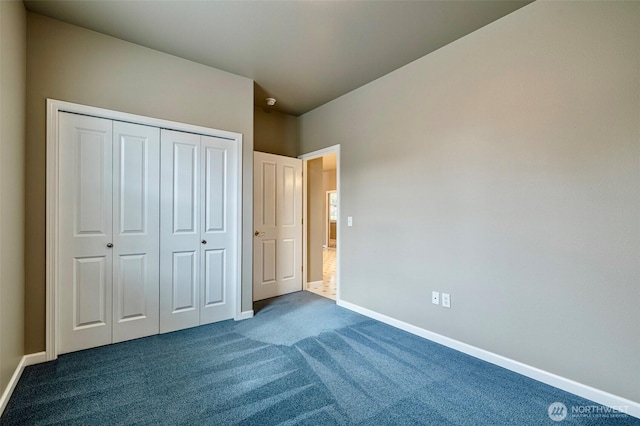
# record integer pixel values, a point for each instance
(270, 101)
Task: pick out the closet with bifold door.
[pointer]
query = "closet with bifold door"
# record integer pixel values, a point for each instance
(197, 244)
(147, 230)
(109, 231)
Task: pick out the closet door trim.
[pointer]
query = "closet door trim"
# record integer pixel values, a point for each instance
(52, 200)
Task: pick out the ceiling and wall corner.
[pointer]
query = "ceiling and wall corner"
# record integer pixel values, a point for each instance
(275, 132)
(303, 53)
(329, 163)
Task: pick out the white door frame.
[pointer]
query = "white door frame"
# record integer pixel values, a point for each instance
(52, 185)
(335, 149)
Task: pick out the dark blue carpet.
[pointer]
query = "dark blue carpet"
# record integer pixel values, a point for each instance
(300, 360)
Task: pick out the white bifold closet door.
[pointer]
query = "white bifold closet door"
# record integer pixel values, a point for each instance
(198, 228)
(136, 231)
(108, 254)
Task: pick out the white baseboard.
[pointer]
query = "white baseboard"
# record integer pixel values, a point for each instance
(25, 361)
(244, 315)
(314, 284)
(601, 397)
(33, 359)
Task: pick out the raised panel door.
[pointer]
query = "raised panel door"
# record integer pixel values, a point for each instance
(136, 222)
(218, 228)
(85, 225)
(277, 246)
(179, 230)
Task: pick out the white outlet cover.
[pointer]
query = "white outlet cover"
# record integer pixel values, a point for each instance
(435, 297)
(446, 300)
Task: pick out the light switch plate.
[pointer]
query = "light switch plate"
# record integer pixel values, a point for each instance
(350, 221)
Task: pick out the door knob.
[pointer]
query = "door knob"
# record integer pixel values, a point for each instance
(109, 245)
(204, 241)
(257, 233)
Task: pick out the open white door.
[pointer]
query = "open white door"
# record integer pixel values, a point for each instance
(277, 225)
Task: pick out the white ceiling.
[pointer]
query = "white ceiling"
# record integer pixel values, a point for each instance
(303, 53)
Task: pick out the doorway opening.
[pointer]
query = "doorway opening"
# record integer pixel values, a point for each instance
(321, 222)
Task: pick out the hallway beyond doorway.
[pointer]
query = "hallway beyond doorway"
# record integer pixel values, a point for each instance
(328, 287)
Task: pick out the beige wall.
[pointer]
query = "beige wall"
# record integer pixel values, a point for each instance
(315, 219)
(73, 64)
(504, 169)
(275, 132)
(329, 180)
(12, 146)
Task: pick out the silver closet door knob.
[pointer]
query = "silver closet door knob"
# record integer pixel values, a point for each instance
(109, 245)
(204, 241)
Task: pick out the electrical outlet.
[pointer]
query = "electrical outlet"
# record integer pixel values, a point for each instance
(446, 300)
(435, 297)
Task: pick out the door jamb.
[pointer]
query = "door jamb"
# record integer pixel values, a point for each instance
(334, 149)
(52, 183)
(327, 217)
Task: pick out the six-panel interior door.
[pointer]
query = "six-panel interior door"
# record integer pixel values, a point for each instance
(218, 228)
(85, 258)
(277, 225)
(136, 223)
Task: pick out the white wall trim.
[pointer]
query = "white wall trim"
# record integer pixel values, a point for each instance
(53, 104)
(25, 361)
(52, 185)
(305, 220)
(320, 153)
(316, 284)
(36, 358)
(238, 296)
(51, 294)
(334, 149)
(568, 385)
(244, 315)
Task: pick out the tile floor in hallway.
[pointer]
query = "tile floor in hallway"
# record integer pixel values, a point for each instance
(328, 287)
